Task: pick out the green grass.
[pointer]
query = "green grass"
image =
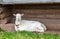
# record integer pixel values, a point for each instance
(27, 35)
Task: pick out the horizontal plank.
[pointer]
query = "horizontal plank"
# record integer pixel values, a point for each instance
(26, 1)
(42, 16)
(44, 20)
(40, 11)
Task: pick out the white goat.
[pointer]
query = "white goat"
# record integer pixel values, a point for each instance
(27, 25)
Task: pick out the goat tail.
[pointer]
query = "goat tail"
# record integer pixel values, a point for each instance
(44, 27)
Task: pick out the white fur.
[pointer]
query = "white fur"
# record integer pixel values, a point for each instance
(27, 25)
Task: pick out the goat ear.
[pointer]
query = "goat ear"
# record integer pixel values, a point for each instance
(22, 14)
(14, 14)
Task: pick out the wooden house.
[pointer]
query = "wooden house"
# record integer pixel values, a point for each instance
(45, 11)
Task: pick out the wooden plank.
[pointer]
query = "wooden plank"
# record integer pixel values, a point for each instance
(28, 1)
(42, 16)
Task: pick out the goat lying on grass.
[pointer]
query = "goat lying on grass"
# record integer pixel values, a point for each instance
(27, 25)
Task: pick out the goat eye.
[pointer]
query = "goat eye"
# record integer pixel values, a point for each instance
(16, 25)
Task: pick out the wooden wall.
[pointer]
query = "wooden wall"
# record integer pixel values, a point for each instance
(48, 14)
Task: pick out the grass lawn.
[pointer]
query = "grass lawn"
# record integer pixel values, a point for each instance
(27, 35)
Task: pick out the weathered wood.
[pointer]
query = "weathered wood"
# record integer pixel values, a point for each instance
(28, 1)
(47, 14)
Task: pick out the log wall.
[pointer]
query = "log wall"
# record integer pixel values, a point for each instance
(48, 14)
